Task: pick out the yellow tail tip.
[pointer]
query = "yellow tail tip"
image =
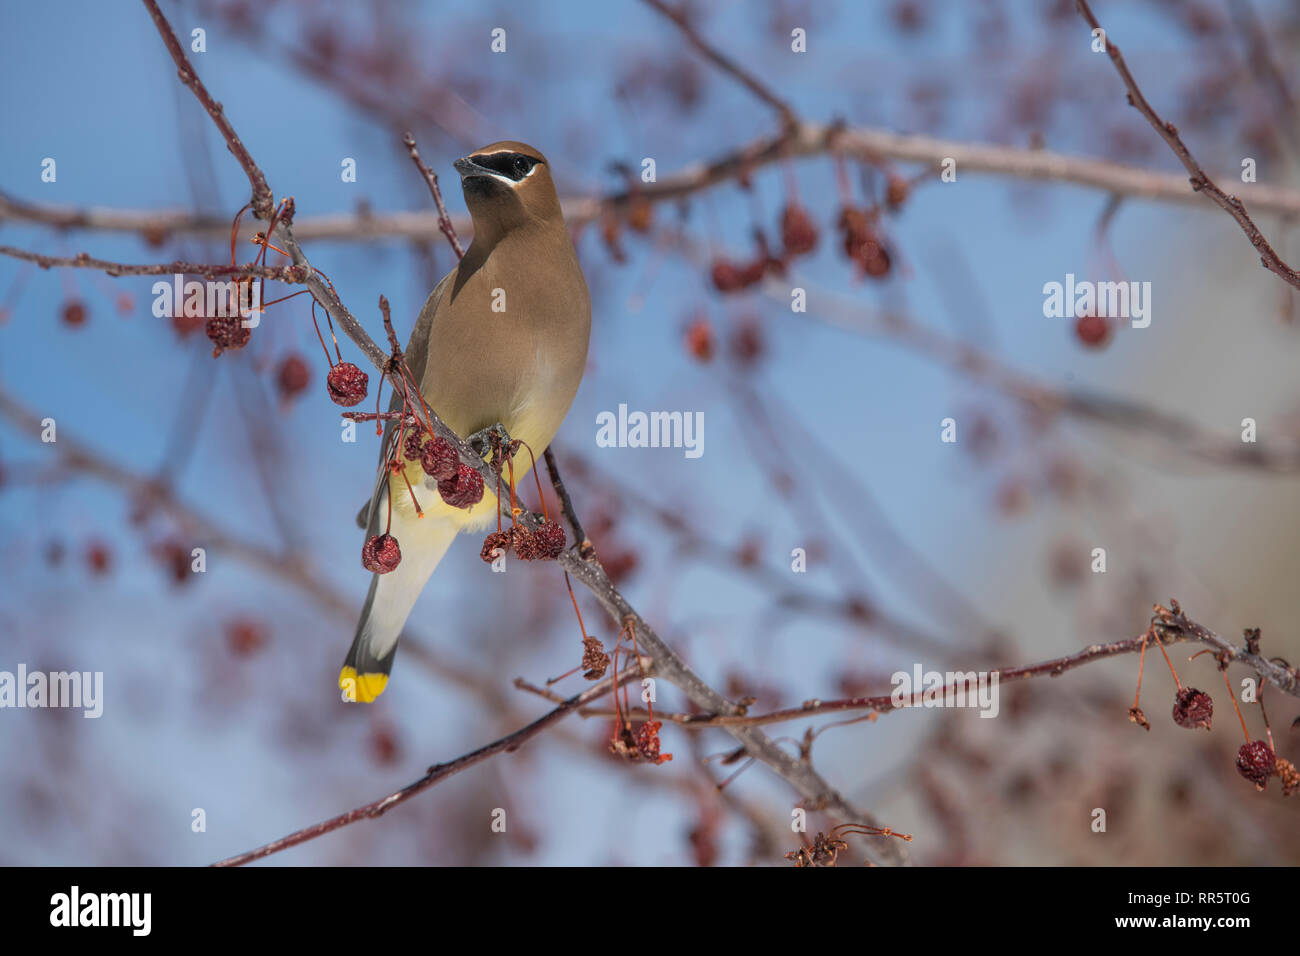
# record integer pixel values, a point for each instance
(361, 688)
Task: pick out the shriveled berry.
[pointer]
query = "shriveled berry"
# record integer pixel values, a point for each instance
(639, 214)
(726, 276)
(594, 659)
(245, 637)
(1092, 330)
(74, 313)
(495, 545)
(1193, 708)
(154, 235)
(383, 744)
(1256, 762)
(464, 490)
(412, 445)
(175, 557)
(896, 192)
(381, 554)
(525, 543)
(874, 259)
(226, 332)
(1136, 716)
(699, 339)
(855, 226)
(346, 384)
(862, 244)
(798, 233)
(747, 342)
(98, 558)
(1290, 776)
(647, 743)
(440, 461)
(292, 376)
(550, 539)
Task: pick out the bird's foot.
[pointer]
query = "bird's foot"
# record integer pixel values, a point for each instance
(489, 439)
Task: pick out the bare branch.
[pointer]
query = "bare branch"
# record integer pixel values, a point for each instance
(434, 775)
(1174, 629)
(290, 274)
(677, 14)
(444, 221)
(262, 200)
(808, 139)
(1201, 182)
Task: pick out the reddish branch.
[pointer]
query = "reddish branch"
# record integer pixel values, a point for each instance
(808, 139)
(1170, 627)
(262, 200)
(430, 177)
(1200, 181)
(292, 274)
(677, 14)
(435, 774)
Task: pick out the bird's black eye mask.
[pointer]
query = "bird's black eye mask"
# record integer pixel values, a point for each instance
(511, 165)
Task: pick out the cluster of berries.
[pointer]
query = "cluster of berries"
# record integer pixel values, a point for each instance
(459, 485)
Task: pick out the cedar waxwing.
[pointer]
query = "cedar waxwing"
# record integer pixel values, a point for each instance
(502, 339)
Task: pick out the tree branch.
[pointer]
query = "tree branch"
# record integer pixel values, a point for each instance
(262, 200)
(1177, 628)
(435, 774)
(1200, 181)
(290, 274)
(808, 139)
(430, 177)
(677, 14)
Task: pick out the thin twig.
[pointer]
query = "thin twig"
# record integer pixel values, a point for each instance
(809, 139)
(677, 14)
(262, 199)
(430, 177)
(290, 274)
(1200, 181)
(435, 774)
(585, 547)
(1178, 629)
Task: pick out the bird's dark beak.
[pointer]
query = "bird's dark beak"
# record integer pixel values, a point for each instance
(467, 168)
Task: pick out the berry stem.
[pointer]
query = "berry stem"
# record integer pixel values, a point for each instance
(234, 229)
(1142, 658)
(541, 496)
(1233, 696)
(1160, 644)
(1267, 728)
(320, 338)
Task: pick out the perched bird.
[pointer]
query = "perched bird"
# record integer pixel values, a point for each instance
(501, 340)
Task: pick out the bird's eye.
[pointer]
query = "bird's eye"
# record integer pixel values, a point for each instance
(522, 165)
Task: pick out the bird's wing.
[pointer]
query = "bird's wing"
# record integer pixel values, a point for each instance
(416, 354)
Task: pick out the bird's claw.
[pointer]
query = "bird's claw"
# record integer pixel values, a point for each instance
(482, 440)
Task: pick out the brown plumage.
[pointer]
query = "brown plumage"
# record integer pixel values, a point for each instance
(503, 338)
